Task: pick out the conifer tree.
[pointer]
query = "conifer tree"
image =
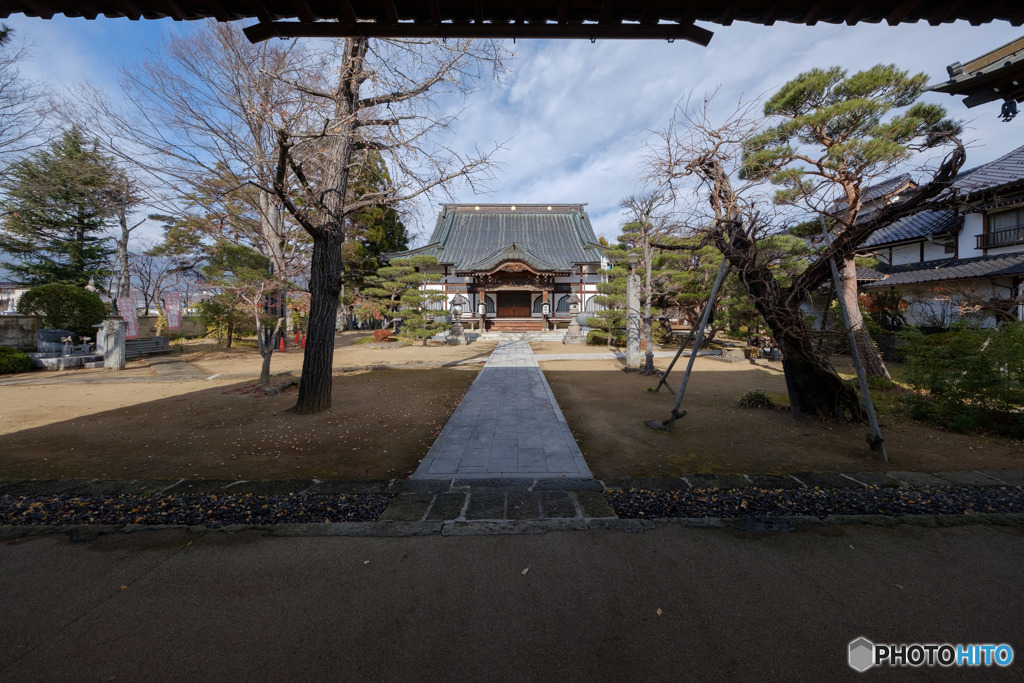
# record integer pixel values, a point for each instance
(57, 208)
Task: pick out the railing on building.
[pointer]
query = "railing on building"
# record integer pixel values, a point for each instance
(1001, 238)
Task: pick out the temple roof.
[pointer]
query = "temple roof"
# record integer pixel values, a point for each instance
(478, 237)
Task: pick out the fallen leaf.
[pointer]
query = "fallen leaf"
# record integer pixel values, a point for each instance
(659, 611)
(526, 570)
(124, 588)
(366, 562)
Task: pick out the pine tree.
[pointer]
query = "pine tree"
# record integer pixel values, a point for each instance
(833, 135)
(58, 205)
(397, 291)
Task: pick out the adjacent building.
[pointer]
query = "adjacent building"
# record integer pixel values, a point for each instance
(966, 261)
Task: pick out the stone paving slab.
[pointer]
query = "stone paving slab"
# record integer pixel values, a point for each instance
(507, 426)
(969, 478)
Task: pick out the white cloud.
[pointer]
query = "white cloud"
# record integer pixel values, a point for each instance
(575, 113)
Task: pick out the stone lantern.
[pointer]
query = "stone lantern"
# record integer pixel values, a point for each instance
(574, 335)
(457, 335)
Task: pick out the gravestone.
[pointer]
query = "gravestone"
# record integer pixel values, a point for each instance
(49, 340)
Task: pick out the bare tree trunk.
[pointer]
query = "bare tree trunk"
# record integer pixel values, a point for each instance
(648, 367)
(869, 355)
(818, 389)
(324, 289)
(328, 237)
(124, 278)
(268, 353)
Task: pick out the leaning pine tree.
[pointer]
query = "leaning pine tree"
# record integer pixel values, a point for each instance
(830, 139)
(866, 135)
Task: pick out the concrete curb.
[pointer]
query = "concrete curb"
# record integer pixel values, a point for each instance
(391, 529)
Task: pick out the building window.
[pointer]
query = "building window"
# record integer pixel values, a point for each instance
(538, 304)
(563, 305)
(489, 303)
(1005, 229)
(591, 305)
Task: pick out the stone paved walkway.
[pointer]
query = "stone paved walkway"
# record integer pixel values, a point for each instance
(507, 426)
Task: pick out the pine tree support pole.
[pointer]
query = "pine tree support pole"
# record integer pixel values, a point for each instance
(723, 270)
(875, 437)
(666, 425)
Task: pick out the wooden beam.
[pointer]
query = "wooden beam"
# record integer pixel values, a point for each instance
(177, 13)
(730, 13)
(132, 11)
(42, 11)
(771, 14)
(220, 12)
(346, 14)
(331, 29)
(563, 11)
(390, 11)
(811, 18)
(901, 12)
(855, 14)
(435, 12)
(944, 12)
(303, 10)
(478, 11)
(647, 14)
(606, 12)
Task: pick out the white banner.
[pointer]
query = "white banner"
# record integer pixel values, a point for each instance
(126, 307)
(172, 309)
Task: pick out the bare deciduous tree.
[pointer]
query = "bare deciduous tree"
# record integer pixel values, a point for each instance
(380, 99)
(21, 103)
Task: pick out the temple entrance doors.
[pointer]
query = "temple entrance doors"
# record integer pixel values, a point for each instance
(514, 304)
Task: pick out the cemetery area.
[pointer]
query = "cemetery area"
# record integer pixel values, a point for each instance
(391, 401)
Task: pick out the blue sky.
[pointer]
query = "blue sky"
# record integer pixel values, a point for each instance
(575, 114)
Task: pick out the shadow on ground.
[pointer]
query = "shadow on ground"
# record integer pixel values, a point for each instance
(380, 426)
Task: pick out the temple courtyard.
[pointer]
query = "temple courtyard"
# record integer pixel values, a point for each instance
(199, 415)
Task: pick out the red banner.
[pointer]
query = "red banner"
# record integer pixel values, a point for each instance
(172, 309)
(126, 307)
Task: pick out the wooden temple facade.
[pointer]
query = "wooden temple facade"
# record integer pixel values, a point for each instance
(516, 264)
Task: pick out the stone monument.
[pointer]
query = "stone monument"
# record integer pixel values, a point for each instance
(574, 335)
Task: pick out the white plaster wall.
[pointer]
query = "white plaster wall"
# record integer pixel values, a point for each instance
(907, 253)
(968, 238)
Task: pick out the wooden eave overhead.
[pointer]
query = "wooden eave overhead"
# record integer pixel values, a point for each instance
(589, 19)
(996, 75)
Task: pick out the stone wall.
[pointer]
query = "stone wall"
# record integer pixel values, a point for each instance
(19, 331)
(190, 326)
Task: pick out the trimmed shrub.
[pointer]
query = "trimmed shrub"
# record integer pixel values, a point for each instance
(64, 307)
(754, 399)
(968, 379)
(13, 361)
(381, 336)
(600, 338)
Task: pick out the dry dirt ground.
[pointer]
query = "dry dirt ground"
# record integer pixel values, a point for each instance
(86, 424)
(390, 403)
(606, 409)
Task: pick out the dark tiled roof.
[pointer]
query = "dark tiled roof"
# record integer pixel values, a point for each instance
(913, 227)
(555, 237)
(873, 192)
(1006, 170)
(869, 274)
(1003, 265)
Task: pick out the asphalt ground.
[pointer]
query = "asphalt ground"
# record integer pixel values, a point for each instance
(673, 603)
